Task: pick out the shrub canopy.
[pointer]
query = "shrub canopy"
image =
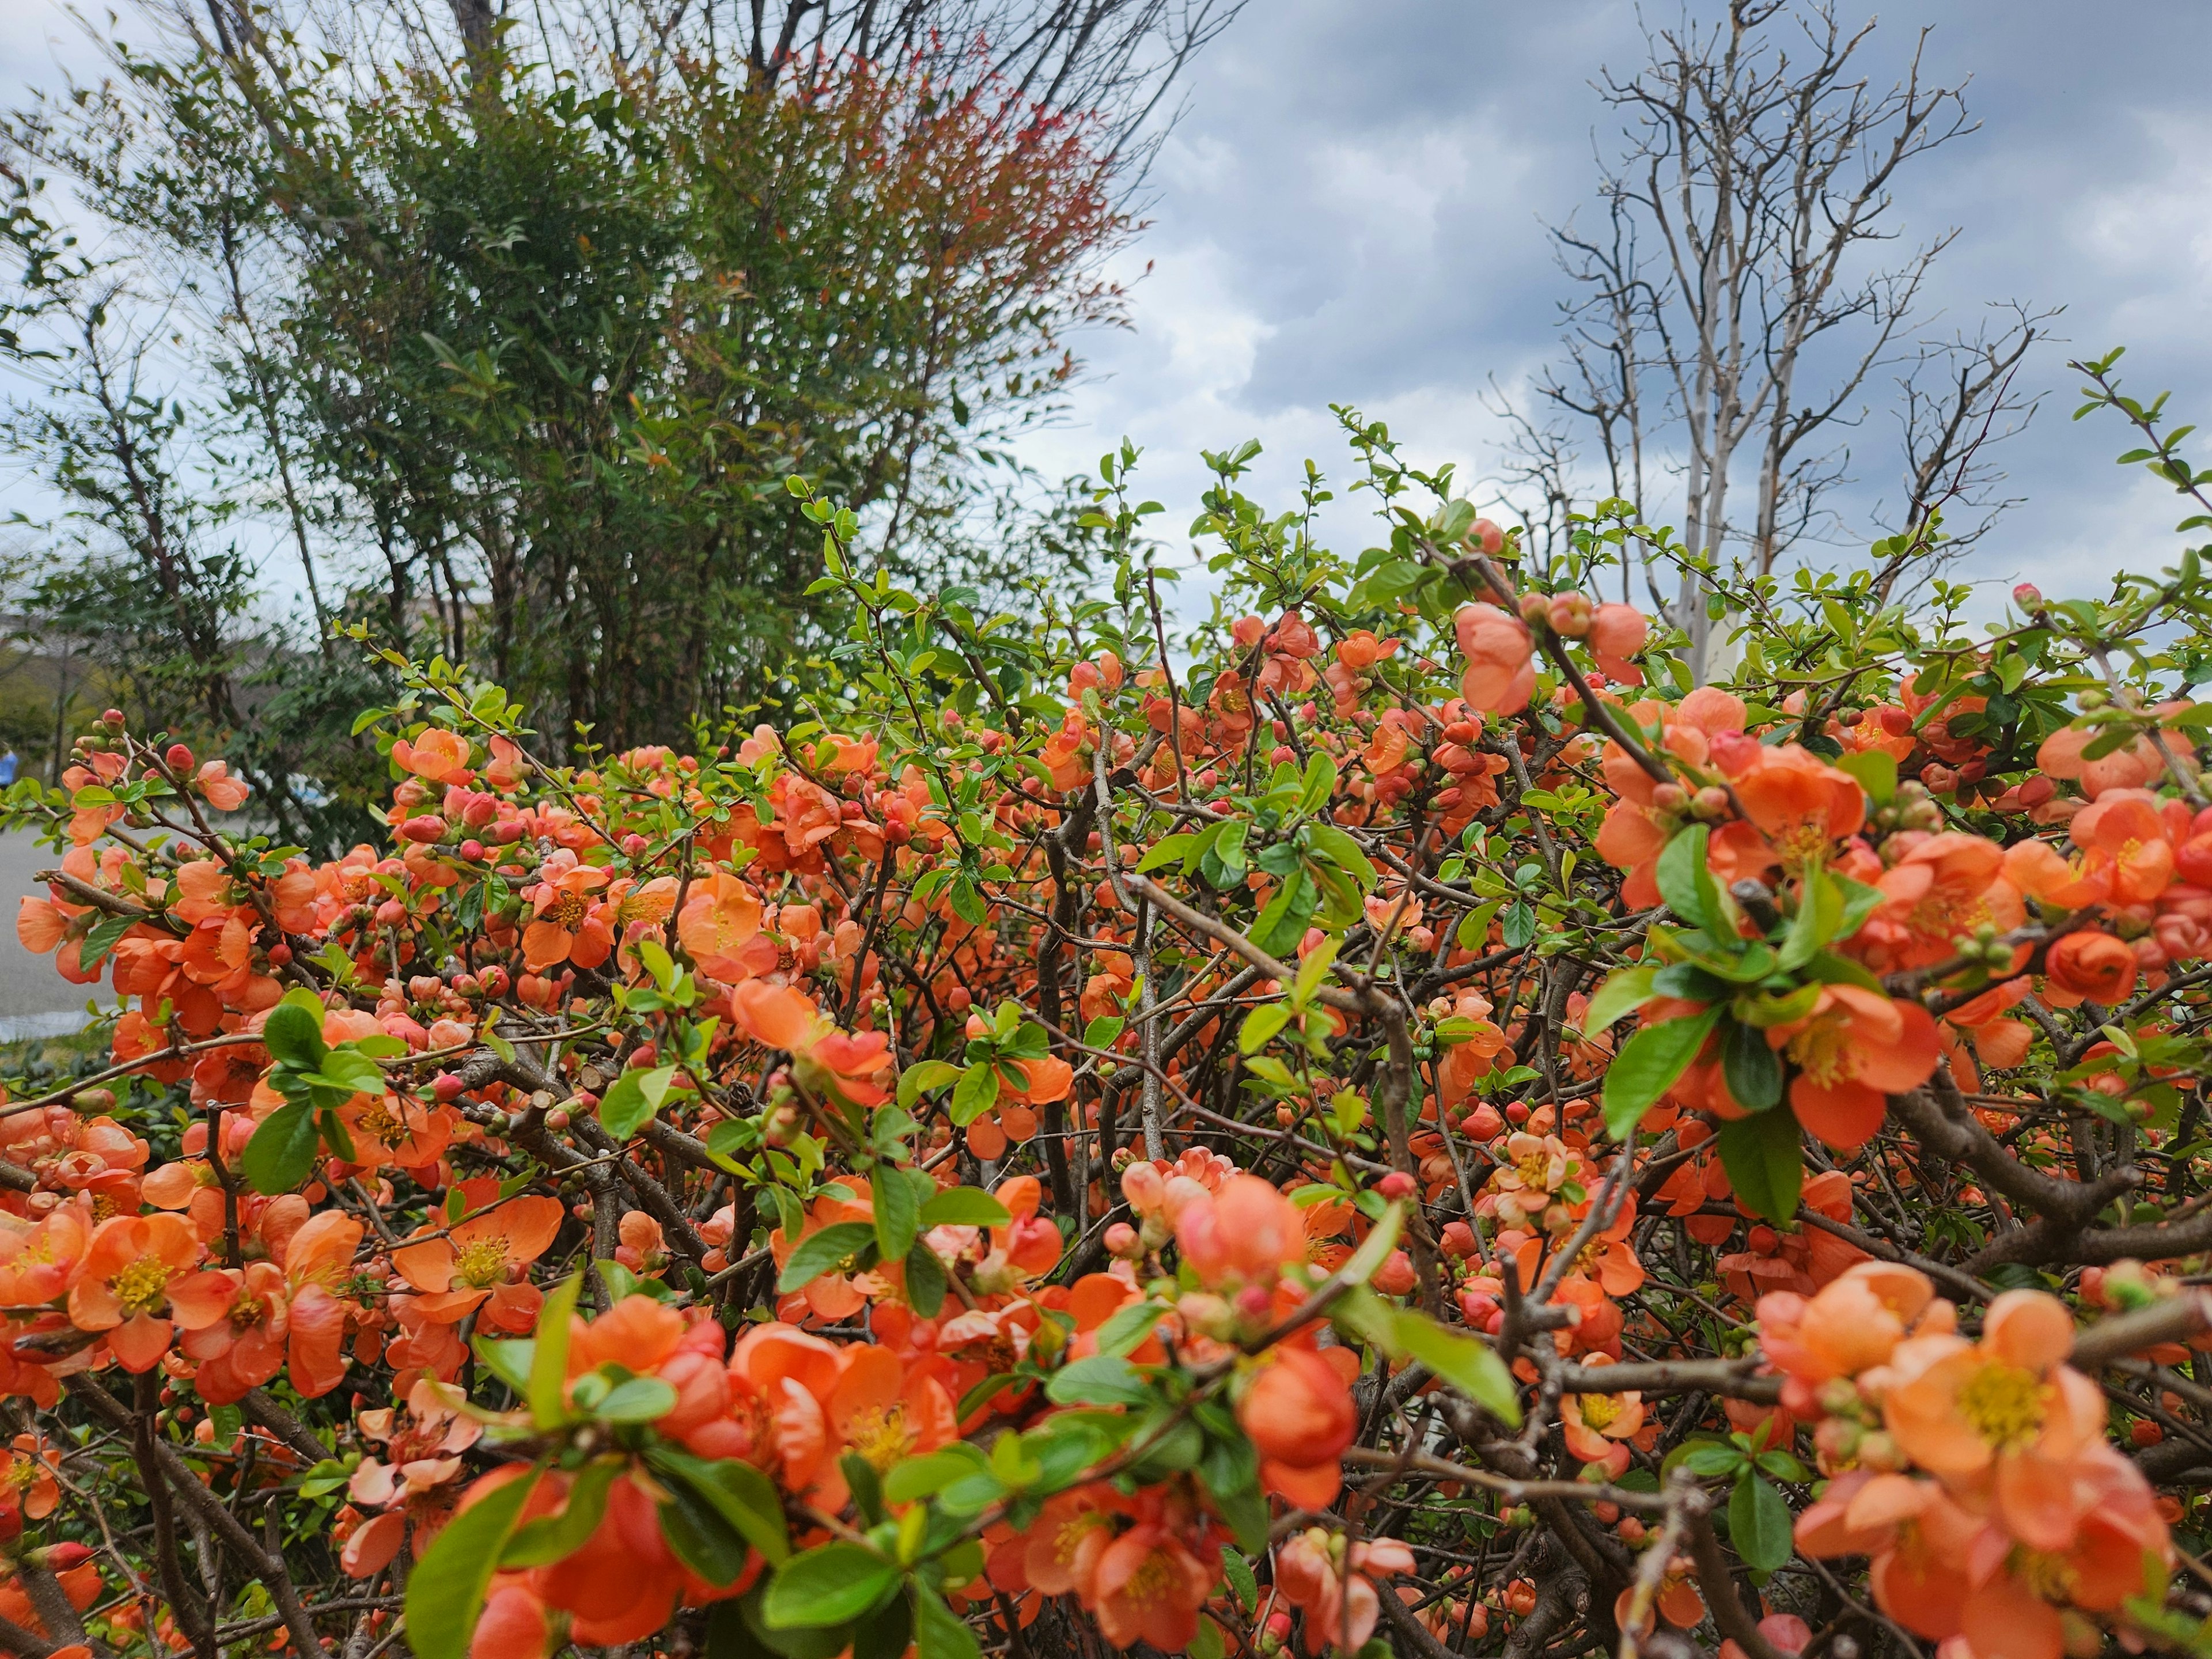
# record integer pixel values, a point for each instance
(1402, 1122)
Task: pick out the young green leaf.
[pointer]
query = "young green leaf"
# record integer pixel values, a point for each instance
(830, 1584)
(1758, 1523)
(282, 1150)
(1472, 1367)
(1622, 993)
(636, 1096)
(295, 1035)
(964, 1206)
(446, 1591)
(817, 1253)
(1648, 1065)
(1764, 1162)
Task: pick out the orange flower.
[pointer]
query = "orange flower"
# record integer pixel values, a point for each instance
(2125, 838)
(1247, 1232)
(2088, 967)
(885, 1412)
(440, 756)
(1800, 803)
(1948, 886)
(1299, 1414)
(134, 1284)
(1341, 1604)
(28, 1490)
(37, 1262)
(825, 1059)
(483, 1261)
(398, 1129)
(1855, 1047)
(568, 925)
(1618, 632)
(1853, 1325)
(279, 1312)
(223, 791)
(1148, 1587)
(2006, 1406)
(831, 1295)
(720, 919)
(1068, 1536)
(1500, 673)
(1596, 1424)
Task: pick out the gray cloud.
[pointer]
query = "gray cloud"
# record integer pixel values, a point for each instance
(1352, 209)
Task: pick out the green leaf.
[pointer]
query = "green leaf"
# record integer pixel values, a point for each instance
(282, 1150)
(1648, 1065)
(964, 1206)
(1168, 850)
(629, 1105)
(1470, 1365)
(446, 1591)
(295, 1036)
(105, 934)
(924, 1477)
(1375, 1250)
(1623, 993)
(938, 1633)
(1283, 923)
(556, 1537)
(830, 1584)
(1261, 1026)
(1876, 771)
(637, 1400)
(1686, 884)
(549, 1358)
(1341, 850)
(1707, 1458)
(1238, 1571)
(817, 1253)
(1758, 1523)
(1753, 1070)
(739, 1493)
(898, 1214)
(1820, 912)
(925, 1280)
(1126, 1328)
(1764, 1162)
(1102, 1379)
(348, 1071)
(1319, 785)
(977, 1094)
(918, 1080)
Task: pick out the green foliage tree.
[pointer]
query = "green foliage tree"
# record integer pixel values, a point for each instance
(508, 347)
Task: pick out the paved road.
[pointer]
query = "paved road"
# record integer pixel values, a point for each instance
(30, 987)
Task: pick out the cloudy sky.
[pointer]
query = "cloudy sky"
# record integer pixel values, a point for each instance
(1353, 208)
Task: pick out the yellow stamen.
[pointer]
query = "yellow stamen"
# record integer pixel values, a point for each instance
(1600, 1411)
(2005, 1404)
(143, 1285)
(880, 1435)
(482, 1265)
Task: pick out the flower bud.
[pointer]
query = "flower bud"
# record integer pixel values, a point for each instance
(1569, 614)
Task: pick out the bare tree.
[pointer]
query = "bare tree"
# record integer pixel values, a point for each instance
(1733, 308)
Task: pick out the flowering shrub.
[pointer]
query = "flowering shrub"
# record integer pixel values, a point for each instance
(1403, 1124)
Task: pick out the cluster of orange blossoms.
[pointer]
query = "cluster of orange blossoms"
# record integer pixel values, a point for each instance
(1159, 1150)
